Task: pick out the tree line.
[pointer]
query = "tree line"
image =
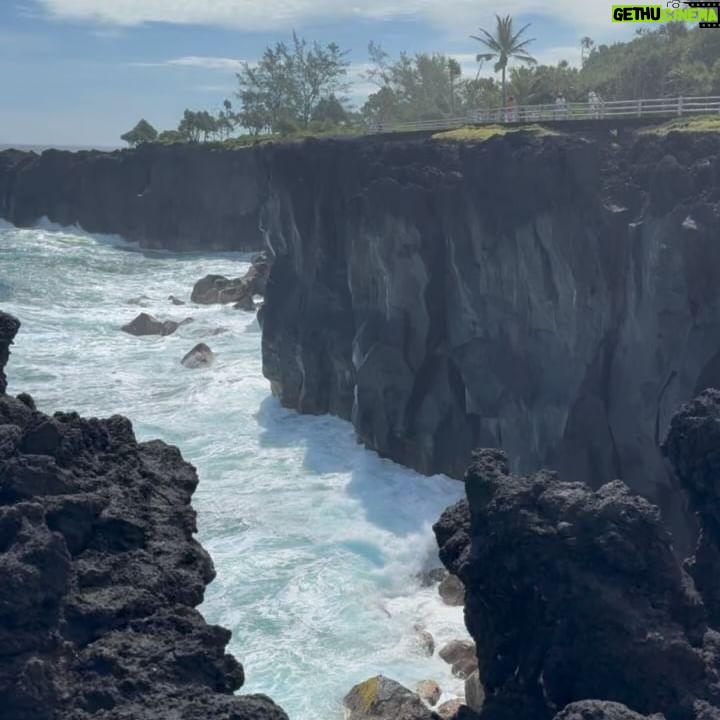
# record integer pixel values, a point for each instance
(302, 87)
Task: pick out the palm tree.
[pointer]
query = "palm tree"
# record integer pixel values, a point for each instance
(586, 46)
(504, 45)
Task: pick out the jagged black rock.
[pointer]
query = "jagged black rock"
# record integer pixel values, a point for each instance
(100, 576)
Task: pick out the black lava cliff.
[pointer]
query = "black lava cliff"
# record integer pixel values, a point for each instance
(576, 599)
(554, 297)
(100, 576)
(188, 197)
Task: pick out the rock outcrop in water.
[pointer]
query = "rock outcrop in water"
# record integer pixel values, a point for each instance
(575, 595)
(100, 576)
(9, 327)
(555, 297)
(187, 197)
(217, 289)
(145, 324)
(201, 356)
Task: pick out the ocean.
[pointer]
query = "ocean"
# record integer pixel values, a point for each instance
(317, 542)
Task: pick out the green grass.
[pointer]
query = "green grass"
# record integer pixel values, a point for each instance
(479, 134)
(699, 124)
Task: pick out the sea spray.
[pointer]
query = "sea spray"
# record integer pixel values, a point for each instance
(316, 541)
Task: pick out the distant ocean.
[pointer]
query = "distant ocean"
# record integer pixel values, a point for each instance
(42, 148)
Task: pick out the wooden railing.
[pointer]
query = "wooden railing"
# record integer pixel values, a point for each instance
(660, 108)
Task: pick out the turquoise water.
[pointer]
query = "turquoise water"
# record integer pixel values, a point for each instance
(316, 541)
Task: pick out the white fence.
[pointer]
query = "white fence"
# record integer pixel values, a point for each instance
(660, 108)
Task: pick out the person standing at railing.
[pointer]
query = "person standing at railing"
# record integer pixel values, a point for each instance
(593, 104)
(560, 107)
(511, 110)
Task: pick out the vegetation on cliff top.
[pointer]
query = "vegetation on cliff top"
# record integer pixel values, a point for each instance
(298, 89)
(478, 134)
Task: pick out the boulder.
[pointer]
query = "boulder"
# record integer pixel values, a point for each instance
(461, 654)
(449, 710)
(380, 698)
(246, 303)
(428, 578)
(145, 324)
(474, 692)
(425, 640)
(217, 289)
(452, 591)
(601, 710)
(575, 594)
(142, 300)
(200, 356)
(429, 691)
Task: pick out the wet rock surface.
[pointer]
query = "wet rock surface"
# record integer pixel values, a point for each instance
(201, 356)
(380, 698)
(217, 289)
(145, 324)
(574, 594)
(100, 576)
(9, 327)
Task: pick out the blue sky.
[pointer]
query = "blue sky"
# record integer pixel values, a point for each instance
(81, 72)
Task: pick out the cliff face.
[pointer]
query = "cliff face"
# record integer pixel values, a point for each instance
(553, 297)
(100, 576)
(177, 198)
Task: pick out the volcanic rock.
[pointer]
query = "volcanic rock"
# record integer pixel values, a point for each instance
(214, 289)
(100, 577)
(461, 654)
(9, 327)
(474, 692)
(429, 691)
(145, 324)
(380, 698)
(200, 356)
(693, 447)
(449, 710)
(600, 710)
(573, 594)
(452, 591)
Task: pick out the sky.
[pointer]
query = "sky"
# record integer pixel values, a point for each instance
(82, 72)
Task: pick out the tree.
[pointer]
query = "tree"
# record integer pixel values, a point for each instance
(505, 45)
(198, 125)
(454, 71)
(170, 136)
(288, 82)
(329, 110)
(226, 120)
(586, 46)
(419, 87)
(143, 132)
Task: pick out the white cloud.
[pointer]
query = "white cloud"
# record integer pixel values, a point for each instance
(252, 15)
(193, 61)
